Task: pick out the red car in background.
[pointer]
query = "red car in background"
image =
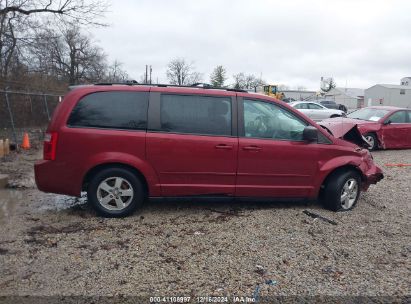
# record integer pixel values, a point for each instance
(383, 127)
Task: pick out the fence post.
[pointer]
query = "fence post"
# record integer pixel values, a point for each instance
(47, 107)
(31, 103)
(11, 118)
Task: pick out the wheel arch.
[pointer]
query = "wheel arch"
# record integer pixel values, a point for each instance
(377, 138)
(94, 170)
(339, 170)
(343, 168)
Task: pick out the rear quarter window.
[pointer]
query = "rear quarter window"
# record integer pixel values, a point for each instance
(111, 110)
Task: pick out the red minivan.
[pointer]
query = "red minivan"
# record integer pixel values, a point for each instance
(126, 143)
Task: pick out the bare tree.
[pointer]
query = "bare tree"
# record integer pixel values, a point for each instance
(195, 77)
(18, 18)
(247, 82)
(69, 55)
(239, 81)
(115, 72)
(181, 73)
(79, 11)
(10, 26)
(252, 82)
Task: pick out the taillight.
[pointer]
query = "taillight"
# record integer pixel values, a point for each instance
(49, 146)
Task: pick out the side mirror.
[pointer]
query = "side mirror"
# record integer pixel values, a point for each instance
(310, 134)
(387, 122)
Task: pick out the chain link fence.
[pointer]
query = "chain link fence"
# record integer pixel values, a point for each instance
(22, 112)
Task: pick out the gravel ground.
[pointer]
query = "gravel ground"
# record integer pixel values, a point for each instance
(56, 245)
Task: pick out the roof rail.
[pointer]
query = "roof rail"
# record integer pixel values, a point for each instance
(127, 82)
(209, 86)
(195, 85)
(201, 84)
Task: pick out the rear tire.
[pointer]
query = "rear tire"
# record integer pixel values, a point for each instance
(342, 191)
(372, 141)
(115, 192)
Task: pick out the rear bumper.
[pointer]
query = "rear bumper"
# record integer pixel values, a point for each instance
(50, 177)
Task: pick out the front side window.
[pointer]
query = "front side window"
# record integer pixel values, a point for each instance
(196, 114)
(398, 117)
(112, 110)
(267, 120)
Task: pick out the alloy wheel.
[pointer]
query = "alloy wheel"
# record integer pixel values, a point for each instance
(349, 193)
(115, 193)
(371, 141)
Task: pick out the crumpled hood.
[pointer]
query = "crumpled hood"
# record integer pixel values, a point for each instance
(346, 128)
(341, 125)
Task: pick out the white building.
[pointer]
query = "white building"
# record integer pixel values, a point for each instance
(389, 95)
(352, 98)
(298, 95)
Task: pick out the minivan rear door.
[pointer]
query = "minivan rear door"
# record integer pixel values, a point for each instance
(192, 142)
(273, 160)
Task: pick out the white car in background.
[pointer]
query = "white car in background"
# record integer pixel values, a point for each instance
(316, 111)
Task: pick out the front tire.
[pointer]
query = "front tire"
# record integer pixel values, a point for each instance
(342, 191)
(372, 141)
(115, 192)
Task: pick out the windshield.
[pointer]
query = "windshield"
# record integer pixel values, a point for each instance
(370, 114)
(272, 91)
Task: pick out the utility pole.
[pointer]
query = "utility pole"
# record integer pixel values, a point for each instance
(146, 80)
(151, 70)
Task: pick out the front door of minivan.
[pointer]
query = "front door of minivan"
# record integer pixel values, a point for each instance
(191, 143)
(273, 160)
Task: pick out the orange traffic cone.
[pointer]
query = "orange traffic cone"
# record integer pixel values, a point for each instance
(26, 142)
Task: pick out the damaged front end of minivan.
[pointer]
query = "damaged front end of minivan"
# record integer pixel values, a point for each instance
(371, 173)
(351, 133)
(348, 132)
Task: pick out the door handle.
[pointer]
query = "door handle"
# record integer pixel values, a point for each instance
(224, 147)
(252, 148)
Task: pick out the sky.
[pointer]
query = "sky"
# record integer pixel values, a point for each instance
(295, 42)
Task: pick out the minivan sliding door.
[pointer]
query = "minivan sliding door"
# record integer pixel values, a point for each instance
(192, 143)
